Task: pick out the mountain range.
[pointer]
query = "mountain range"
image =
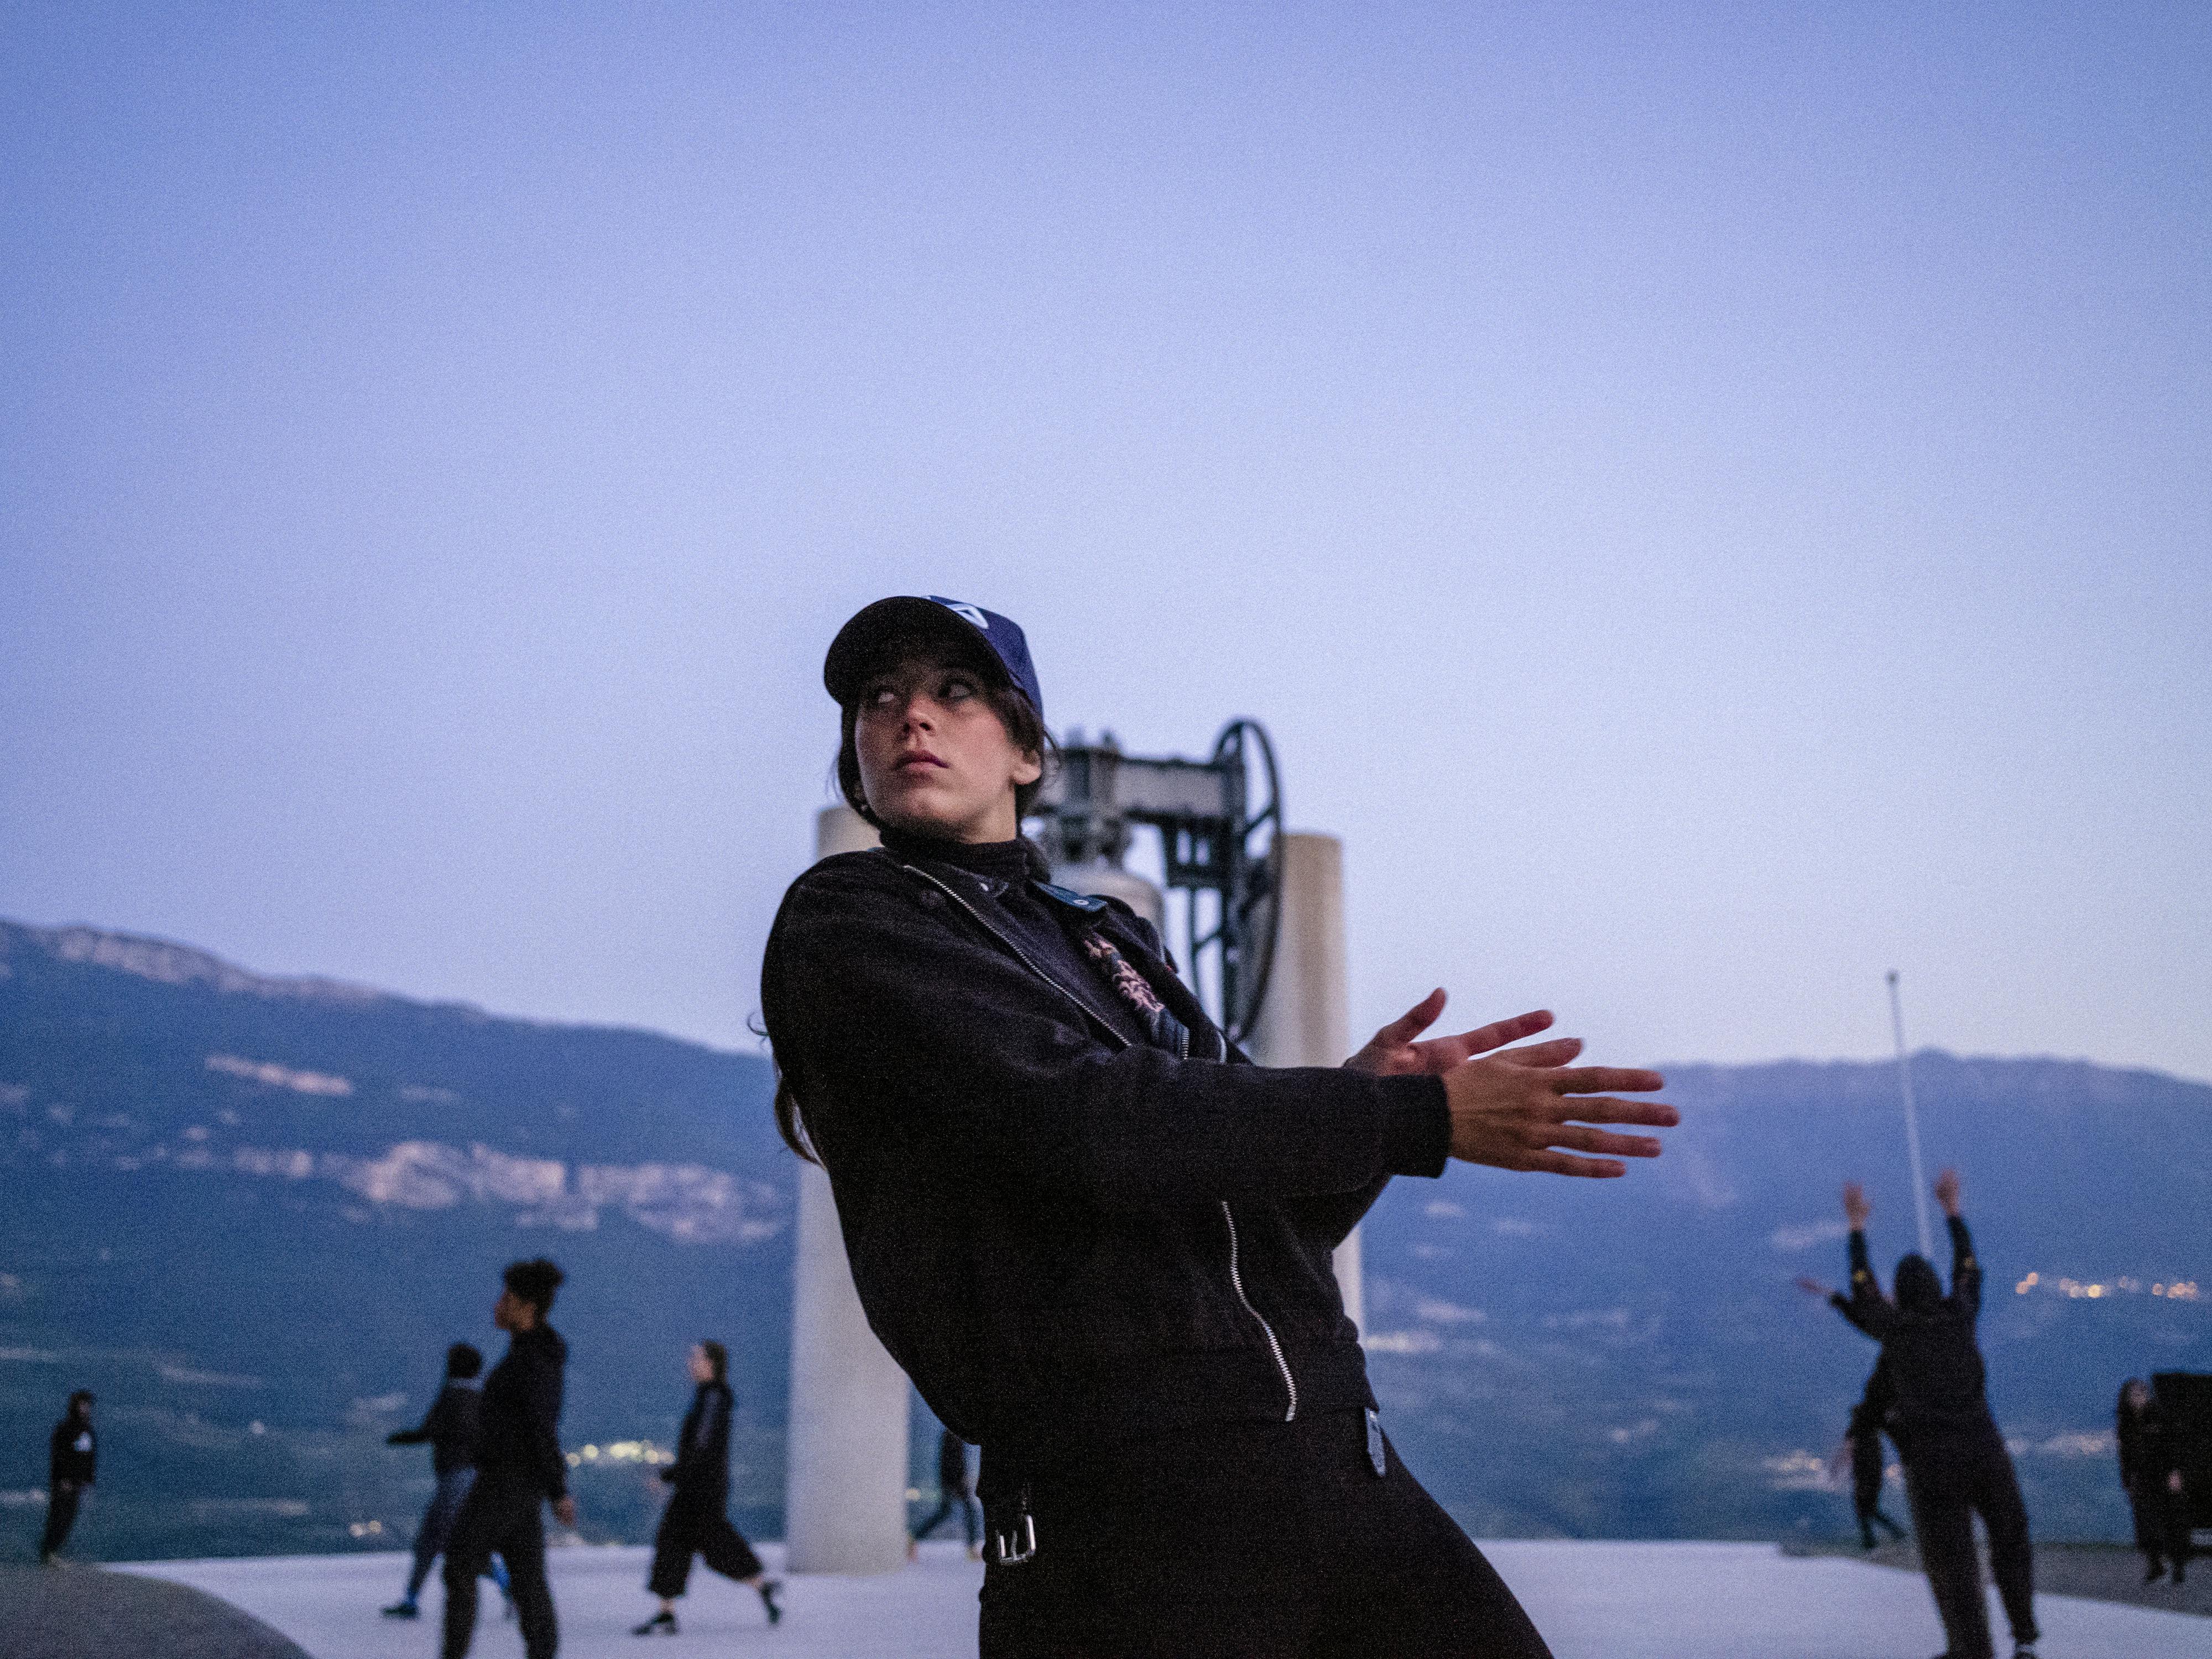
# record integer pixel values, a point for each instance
(250, 1212)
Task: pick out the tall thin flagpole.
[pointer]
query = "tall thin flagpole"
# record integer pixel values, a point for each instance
(1912, 1121)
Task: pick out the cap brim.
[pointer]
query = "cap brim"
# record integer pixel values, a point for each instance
(859, 647)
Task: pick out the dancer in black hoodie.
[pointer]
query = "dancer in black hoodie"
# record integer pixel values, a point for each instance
(1095, 1235)
(72, 1464)
(697, 1520)
(519, 1467)
(2150, 1470)
(1955, 1462)
(449, 1429)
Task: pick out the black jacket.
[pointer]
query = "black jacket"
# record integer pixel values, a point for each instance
(72, 1453)
(1054, 1228)
(1927, 1340)
(701, 1472)
(520, 1436)
(2149, 1450)
(451, 1428)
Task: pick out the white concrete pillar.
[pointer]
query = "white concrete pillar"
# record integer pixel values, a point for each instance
(1306, 1018)
(845, 1448)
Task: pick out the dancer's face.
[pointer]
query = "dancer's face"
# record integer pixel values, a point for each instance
(702, 1368)
(935, 759)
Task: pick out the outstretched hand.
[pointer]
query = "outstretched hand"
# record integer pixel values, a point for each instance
(1519, 1110)
(1814, 1287)
(1856, 1210)
(1947, 1191)
(564, 1511)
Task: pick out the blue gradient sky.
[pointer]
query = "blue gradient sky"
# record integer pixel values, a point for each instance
(1711, 501)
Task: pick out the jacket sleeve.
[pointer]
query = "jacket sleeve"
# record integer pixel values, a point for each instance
(895, 1021)
(541, 1418)
(710, 1430)
(426, 1431)
(1868, 1309)
(1965, 1270)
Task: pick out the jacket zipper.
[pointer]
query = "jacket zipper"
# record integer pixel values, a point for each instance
(1237, 1281)
(1182, 1052)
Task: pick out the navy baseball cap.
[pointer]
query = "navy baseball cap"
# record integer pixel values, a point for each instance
(857, 650)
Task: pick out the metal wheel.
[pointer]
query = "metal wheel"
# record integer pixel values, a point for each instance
(1252, 906)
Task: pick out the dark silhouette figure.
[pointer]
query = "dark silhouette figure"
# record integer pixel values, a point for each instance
(519, 1467)
(72, 1460)
(1955, 1462)
(953, 1489)
(697, 1521)
(1869, 1419)
(450, 1430)
(2150, 1470)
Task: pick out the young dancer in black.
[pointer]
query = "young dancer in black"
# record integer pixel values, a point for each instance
(449, 1429)
(697, 1521)
(1955, 1462)
(2150, 1470)
(72, 1465)
(520, 1468)
(1097, 1237)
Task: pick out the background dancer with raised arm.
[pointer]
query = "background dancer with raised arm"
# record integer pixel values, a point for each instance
(520, 1468)
(72, 1466)
(1956, 1465)
(1097, 1237)
(696, 1520)
(449, 1429)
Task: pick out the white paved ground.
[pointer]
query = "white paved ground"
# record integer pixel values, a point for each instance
(1591, 1601)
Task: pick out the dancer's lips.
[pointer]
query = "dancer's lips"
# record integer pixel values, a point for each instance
(920, 761)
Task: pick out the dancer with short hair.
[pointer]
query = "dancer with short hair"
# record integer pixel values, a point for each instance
(1955, 1462)
(696, 1520)
(450, 1430)
(519, 1467)
(72, 1466)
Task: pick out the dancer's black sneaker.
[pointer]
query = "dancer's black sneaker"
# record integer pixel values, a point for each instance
(767, 1590)
(661, 1624)
(2154, 1572)
(406, 1609)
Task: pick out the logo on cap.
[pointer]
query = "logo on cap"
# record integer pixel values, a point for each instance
(971, 613)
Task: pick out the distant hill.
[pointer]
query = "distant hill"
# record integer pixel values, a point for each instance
(250, 1212)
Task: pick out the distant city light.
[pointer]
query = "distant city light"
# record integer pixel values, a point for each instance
(2180, 1290)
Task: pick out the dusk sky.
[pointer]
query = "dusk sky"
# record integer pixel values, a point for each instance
(1712, 502)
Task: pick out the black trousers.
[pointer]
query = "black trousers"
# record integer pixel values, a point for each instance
(1949, 1479)
(61, 1515)
(2161, 1524)
(1240, 1541)
(697, 1526)
(505, 1514)
(1866, 1492)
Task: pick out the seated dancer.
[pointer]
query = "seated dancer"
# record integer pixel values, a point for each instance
(1097, 1237)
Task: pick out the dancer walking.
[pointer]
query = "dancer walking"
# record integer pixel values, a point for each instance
(2150, 1470)
(72, 1466)
(696, 1520)
(1097, 1237)
(449, 1429)
(954, 1490)
(1956, 1465)
(519, 1468)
